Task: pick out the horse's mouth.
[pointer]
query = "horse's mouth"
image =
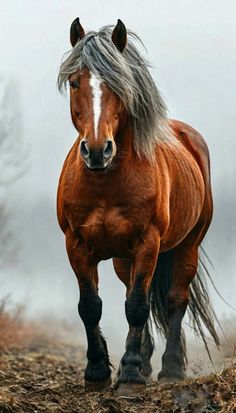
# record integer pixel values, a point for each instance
(98, 168)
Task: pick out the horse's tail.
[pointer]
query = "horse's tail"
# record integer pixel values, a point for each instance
(200, 310)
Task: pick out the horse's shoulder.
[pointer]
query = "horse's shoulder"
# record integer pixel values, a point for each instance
(60, 191)
(70, 156)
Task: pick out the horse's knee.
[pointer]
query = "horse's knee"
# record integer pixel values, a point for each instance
(137, 306)
(136, 316)
(90, 307)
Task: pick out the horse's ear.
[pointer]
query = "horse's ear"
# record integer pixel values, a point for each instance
(119, 36)
(76, 32)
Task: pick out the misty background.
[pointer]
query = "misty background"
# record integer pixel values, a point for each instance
(192, 48)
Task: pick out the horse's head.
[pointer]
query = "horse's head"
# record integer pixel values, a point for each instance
(97, 112)
(111, 88)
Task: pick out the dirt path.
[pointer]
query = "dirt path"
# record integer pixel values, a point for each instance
(48, 377)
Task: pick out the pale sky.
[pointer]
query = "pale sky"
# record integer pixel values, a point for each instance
(192, 47)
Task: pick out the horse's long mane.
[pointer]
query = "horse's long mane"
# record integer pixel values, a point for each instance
(128, 76)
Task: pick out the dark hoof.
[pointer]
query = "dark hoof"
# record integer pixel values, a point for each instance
(146, 371)
(130, 390)
(91, 386)
(167, 380)
(170, 377)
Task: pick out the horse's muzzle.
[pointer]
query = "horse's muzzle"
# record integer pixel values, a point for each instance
(97, 159)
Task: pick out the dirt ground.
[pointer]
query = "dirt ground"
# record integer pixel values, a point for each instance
(38, 374)
(48, 377)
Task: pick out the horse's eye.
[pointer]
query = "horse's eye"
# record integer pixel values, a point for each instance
(74, 84)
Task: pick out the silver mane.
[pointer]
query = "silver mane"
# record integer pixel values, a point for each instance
(127, 75)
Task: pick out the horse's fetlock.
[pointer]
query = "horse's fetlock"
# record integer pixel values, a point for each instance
(132, 360)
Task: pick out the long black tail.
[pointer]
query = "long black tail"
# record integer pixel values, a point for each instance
(200, 310)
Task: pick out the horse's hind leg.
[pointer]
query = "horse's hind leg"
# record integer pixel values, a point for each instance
(147, 348)
(123, 270)
(97, 372)
(185, 261)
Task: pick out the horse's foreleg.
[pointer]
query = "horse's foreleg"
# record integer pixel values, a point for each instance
(131, 381)
(185, 263)
(122, 268)
(97, 372)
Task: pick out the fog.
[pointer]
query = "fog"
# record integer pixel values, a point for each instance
(193, 51)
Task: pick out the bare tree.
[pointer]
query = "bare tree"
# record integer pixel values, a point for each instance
(12, 160)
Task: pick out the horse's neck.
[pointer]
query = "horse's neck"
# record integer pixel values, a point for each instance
(125, 146)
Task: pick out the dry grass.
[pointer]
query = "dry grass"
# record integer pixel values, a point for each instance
(13, 330)
(38, 374)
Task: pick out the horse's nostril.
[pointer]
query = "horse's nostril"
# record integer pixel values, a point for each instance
(84, 149)
(107, 151)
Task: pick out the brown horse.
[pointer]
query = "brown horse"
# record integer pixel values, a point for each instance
(135, 187)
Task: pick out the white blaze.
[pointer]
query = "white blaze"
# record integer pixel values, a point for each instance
(95, 83)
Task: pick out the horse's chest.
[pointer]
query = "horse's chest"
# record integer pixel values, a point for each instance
(108, 233)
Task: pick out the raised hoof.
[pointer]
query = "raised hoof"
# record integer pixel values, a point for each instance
(130, 390)
(91, 386)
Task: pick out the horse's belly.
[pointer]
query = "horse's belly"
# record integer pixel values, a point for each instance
(110, 234)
